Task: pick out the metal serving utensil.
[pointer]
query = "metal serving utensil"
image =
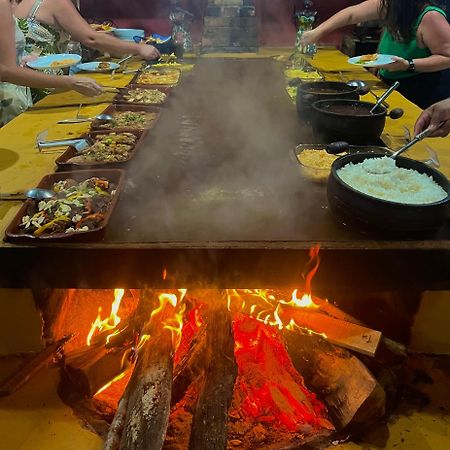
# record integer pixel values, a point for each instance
(384, 96)
(100, 117)
(34, 194)
(390, 166)
(79, 144)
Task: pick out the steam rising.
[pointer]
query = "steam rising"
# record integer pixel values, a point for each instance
(219, 164)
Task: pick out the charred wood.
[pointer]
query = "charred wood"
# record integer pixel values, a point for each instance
(209, 427)
(147, 397)
(351, 393)
(88, 369)
(20, 377)
(190, 367)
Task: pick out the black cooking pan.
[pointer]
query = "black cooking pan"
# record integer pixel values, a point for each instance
(369, 213)
(350, 120)
(311, 92)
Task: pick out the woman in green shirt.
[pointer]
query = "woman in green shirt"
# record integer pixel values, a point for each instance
(416, 32)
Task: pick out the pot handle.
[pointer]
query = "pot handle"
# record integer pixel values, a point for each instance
(363, 90)
(308, 97)
(396, 113)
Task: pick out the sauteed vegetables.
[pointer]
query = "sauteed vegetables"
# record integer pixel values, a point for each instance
(136, 120)
(145, 96)
(78, 207)
(111, 147)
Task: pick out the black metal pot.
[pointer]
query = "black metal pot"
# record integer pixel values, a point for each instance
(311, 92)
(371, 214)
(351, 121)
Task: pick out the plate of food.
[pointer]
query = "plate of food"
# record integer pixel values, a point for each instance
(80, 210)
(109, 148)
(58, 61)
(371, 60)
(98, 66)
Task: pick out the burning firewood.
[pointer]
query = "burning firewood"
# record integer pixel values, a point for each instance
(209, 428)
(31, 367)
(349, 390)
(148, 396)
(190, 367)
(143, 413)
(89, 369)
(340, 332)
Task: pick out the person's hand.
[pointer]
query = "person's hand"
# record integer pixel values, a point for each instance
(148, 52)
(399, 64)
(437, 117)
(28, 58)
(310, 37)
(85, 86)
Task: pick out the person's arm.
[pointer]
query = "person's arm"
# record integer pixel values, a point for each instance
(433, 33)
(9, 72)
(437, 116)
(69, 19)
(365, 11)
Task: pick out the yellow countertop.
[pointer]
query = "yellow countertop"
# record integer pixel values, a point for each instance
(22, 165)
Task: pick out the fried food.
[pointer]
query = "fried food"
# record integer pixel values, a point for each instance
(136, 120)
(63, 63)
(104, 65)
(169, 77)
(111, 147)
(145, 96)
(368, 58)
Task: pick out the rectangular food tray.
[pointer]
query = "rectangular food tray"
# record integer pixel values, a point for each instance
(112, 109)
(119, 98)
(63, 165)
(16, 235)
(138, 74)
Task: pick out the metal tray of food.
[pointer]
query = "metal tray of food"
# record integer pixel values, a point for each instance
(116, 109)
(120, 98)
(93, 209)
(64, 163)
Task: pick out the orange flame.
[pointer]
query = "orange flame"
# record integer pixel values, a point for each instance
(174, 323)
(263, 305)
(107, 385)
(110, 322)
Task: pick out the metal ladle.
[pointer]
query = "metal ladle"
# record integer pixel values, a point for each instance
(34, 194)
(390, 161)
(100, 118)
(384, 96)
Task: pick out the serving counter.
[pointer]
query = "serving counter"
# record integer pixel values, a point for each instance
(215, 195)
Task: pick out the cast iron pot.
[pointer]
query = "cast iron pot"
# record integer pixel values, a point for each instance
(349, 120)
(371, 214)
(311, 92)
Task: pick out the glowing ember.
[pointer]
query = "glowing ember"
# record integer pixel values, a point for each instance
(110, 322)
(193, 322)
(268, 388)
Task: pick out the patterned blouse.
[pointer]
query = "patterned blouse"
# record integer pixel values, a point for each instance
(14, 99)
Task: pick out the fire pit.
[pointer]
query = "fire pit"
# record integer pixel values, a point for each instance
(234, 368)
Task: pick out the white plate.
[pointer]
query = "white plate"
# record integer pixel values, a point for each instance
(94, 67)
(55, 62)
(380, 61)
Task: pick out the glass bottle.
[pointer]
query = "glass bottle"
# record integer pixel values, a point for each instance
(305, 21)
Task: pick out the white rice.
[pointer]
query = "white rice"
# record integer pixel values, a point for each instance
(399, 186)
